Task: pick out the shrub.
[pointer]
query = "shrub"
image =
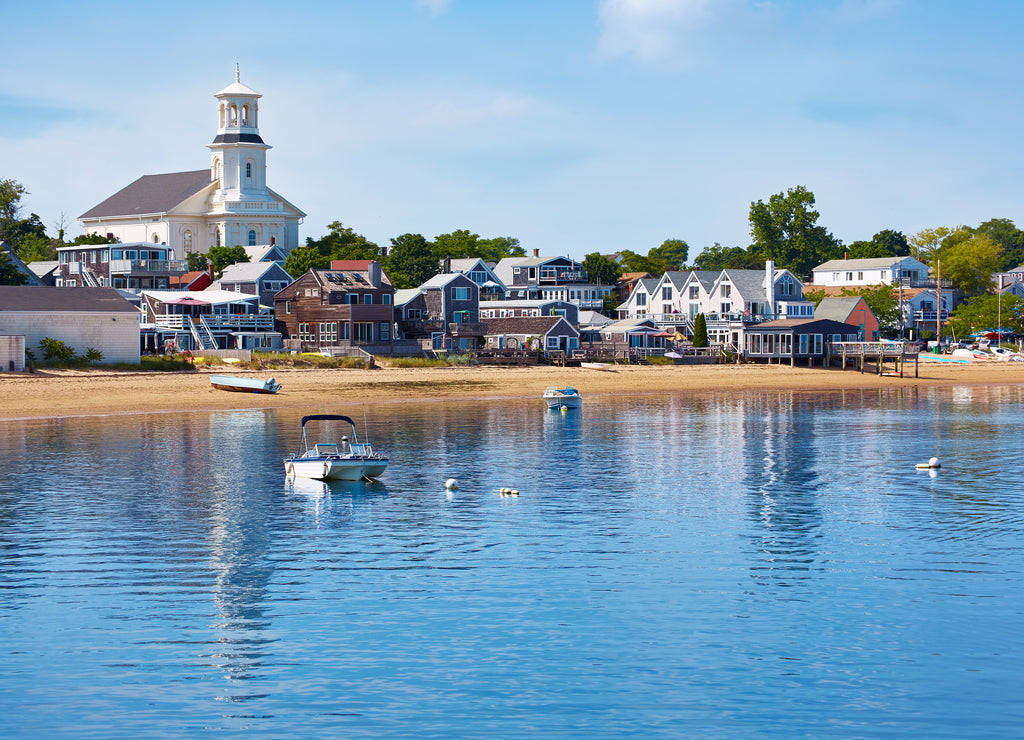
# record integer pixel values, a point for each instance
(700, 331)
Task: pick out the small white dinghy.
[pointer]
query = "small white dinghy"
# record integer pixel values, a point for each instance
(244, 385)
(347, 460)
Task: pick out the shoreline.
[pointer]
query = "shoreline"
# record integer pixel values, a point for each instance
(55, 394)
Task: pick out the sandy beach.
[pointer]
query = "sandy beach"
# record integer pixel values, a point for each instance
(60, 393)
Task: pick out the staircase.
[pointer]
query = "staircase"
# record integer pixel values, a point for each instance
(202, 335)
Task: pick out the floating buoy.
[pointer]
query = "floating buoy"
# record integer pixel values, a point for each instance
(451, 484)
(932, 464)
(508, 491)
(565, 409)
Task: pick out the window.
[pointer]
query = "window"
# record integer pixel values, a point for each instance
(368, 298)
(551, 342)
(785, 344)
(835, 276)
(385, 299)
(252, 237)
(351, 298)
(666, 293)
(363, 332)
(217, 237)
(287, 306)
(860, 276)
(248, 170)
(641, 299)
(849, 277)
(305, 333)
(803, 345)
(186, 240)
(726, 307)
(817, 344)
(694, 292)
(726, 291)
(384, 332)
(836, 338)
(460, 294)
(328, 331)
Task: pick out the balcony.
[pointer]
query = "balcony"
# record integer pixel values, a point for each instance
(561, 276)
(467, 329)
(923, 317)
(151, 267)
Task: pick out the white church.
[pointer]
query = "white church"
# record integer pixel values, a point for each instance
(228, 204)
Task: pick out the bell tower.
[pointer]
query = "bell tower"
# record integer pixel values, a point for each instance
(238, 156)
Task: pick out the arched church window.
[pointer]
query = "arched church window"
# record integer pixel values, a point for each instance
(217, 237)
(234, 116)
(252, 237)
(248, 170)
(186, 240)
(245, 115)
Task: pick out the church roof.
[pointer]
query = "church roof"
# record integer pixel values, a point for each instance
(151, 194)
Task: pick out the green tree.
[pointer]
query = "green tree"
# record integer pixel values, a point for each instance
(887, 243)
(600, 269)
(672, 254)
(221, 257)
(456, 245)
(1011, 239)
(926, 242)
(786, 231)
(91, 239)
(11, 193)
(303, 259)
(983, 312)
(630, 261)
(970, 262)
(716, 258)
(411, 261)
(496, 249)
(196, 262)
(339, 243)
(9, 274)
(700, 331)
(34, 248)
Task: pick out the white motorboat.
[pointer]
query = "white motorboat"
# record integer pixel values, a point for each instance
(563, 398)
(345, 460)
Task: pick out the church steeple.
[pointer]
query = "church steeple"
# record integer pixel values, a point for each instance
(238, 154)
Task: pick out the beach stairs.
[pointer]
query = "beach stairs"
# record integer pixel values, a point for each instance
(202, 335)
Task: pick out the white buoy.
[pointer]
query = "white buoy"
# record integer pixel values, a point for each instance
(451, 484)
(932, 464)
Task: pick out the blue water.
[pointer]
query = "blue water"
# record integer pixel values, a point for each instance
(724, 566)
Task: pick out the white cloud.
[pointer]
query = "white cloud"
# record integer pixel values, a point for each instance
(649, 30)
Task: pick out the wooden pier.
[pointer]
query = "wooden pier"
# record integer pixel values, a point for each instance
(877, 354)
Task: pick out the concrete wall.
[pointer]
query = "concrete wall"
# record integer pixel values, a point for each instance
(116, 335)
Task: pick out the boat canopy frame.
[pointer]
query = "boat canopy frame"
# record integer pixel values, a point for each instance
(326, 417)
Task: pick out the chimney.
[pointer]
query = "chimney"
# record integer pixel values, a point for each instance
(209, 270)
(846, 255)
(536, 252)
(769, 286)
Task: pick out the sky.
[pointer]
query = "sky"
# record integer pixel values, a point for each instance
(575, 126)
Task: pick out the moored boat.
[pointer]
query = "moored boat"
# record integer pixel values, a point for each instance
(345, 460)
(563, 398)
(244, 385)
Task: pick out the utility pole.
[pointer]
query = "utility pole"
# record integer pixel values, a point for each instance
(938, 301)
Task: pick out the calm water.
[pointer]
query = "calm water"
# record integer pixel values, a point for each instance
(760, 565)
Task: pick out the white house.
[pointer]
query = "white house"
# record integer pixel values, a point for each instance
(82, 318)
(874, 271)
(227, 204)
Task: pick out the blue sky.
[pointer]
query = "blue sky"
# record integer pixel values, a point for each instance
(574, 125)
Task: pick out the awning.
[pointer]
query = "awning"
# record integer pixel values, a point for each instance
(189, 302)
(663, 334)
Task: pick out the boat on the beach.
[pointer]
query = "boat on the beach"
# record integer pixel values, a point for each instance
(345, 460)
(563, 398)
(244, 385)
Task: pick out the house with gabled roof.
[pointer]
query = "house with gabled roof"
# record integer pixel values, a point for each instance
(873, 271)
(349, 305)
(638, 305)
(206, 319)
(264, 279)
(550, 278)
(548, 333)
(852, 310)
(82, 318)
(449, 313)
(226, 204)
(481, 273)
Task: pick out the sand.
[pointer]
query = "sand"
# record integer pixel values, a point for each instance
(61, 393)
